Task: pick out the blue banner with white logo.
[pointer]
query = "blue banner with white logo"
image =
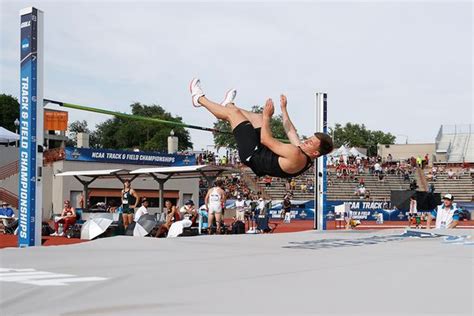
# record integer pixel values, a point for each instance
(129, 157)
(368, 210)
(27, 142)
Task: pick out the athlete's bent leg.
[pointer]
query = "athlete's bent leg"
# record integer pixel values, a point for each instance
(255, 119)
(231, 114)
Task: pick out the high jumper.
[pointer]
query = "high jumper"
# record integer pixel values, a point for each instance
(258, 149)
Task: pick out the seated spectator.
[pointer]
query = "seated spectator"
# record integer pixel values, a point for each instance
(268, 181)
(7, 216)
(429, 176)
(310, 186)
(303, 187)
(112, 207)
(446, 214)
(293, 184)
(189, 212)
(67, 218)
(360, 191)
(451, 174)
(172, 215)
(142, 210)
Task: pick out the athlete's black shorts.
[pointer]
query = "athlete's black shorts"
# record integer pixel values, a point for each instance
(248, 140)
(253, 154)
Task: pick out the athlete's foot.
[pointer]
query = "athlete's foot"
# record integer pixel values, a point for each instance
(229, 97)
(196, 91)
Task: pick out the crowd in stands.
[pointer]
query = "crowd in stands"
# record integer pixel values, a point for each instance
(351, 168)
(233, 186)
(435, 171)
(210, 158)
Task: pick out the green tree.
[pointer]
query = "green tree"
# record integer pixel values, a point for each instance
(9, 112)
(228, 140)
(355, 135)
(124, 133)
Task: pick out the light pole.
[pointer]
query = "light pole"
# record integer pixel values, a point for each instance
(406, 140)
(17, 124)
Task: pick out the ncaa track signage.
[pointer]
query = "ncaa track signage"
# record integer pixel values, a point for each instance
(31, 129)
(131, 157)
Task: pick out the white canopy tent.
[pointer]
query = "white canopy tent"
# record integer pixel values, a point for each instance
(341, 151)
(8, 137)
(354, 152)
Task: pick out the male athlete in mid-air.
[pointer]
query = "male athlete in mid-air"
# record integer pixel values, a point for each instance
(258, 149)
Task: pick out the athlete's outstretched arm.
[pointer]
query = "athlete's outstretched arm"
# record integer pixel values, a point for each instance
(287, 124)
(279, 148)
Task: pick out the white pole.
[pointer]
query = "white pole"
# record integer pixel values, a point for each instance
(320, 164)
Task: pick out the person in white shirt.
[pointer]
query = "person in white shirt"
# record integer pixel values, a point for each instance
(142, 210)
(240, 209)
(450, 174)
(446, 214)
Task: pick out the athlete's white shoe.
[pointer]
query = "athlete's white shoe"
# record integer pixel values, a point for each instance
(196, 91)
(54, 234)
(229, 97)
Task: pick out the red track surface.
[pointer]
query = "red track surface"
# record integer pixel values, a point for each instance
(294, 226)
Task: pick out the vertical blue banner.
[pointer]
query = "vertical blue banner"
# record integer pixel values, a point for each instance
(28, 144)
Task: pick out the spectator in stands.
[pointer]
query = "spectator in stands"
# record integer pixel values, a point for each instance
(130, 201)
(310, 186)
(303, 187)
(360, 191)
(268, 181)
(172, 215)
(112, 208)
(451, 174)
(427, 160)
(389, 158)
(293, 184)
(413, 185)
(215, 202)
(67, 218)
(142, 210)
(7, 215)
(446, 214)
(189, 211)
(377, 169)
(419, 162)
(240, 209)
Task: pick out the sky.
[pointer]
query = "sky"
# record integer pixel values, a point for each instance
(401, 67)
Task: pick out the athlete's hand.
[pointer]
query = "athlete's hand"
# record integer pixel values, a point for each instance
(269, 109)
(283, 101)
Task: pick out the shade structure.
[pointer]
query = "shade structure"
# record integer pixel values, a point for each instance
(94, 227)
(8, 137)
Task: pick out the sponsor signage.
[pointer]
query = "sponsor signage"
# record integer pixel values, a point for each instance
(129, 157)
(31, 129)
